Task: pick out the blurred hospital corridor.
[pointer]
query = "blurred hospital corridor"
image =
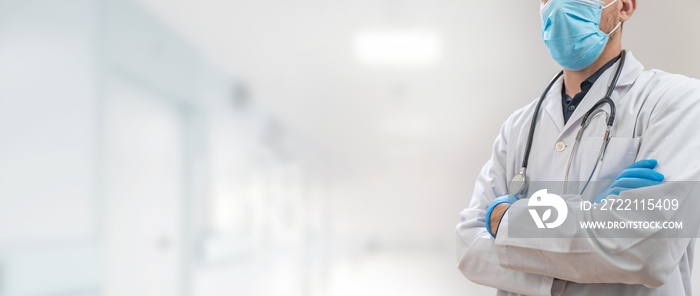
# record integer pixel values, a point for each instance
(261, 148)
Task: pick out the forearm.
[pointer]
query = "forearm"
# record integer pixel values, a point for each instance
(479, 262)
(496, 216)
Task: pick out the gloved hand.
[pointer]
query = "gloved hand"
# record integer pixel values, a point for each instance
(503, 199)
(639, 174)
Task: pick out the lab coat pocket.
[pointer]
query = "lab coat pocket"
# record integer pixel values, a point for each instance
(620, 153)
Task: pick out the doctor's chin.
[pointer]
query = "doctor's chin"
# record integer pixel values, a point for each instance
(338, 148)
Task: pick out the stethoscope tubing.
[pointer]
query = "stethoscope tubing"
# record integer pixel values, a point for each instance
(584, 123)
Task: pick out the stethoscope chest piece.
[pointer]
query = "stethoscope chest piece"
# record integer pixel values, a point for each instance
(518, 185)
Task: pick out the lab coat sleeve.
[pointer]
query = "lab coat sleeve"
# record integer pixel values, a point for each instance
(643, 256)
(476, 251)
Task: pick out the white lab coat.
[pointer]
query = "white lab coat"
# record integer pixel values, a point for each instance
(658, 117)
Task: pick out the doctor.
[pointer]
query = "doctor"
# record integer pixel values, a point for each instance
(654, 142)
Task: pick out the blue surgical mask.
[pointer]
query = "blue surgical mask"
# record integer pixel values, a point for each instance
(571, 31)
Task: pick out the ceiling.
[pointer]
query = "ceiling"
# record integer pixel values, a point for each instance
(298, 57)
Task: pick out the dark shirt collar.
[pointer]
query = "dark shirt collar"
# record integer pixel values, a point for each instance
(569, 104)
(588, 83)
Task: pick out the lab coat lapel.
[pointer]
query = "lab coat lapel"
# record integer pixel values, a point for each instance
(630, 72)
(552, 105)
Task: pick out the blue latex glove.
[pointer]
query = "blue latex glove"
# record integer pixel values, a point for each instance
(503, 199)
(639, 174)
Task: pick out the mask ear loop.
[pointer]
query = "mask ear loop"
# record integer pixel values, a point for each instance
(611, 3)
(618, 23)
(616, 27)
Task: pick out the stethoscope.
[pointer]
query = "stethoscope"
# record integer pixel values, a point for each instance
(519, 183)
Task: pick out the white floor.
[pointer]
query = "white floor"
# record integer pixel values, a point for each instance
(402, 273)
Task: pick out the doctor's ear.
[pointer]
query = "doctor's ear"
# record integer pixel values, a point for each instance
(628, 8)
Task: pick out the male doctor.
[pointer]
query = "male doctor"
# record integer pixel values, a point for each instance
(654, 144)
